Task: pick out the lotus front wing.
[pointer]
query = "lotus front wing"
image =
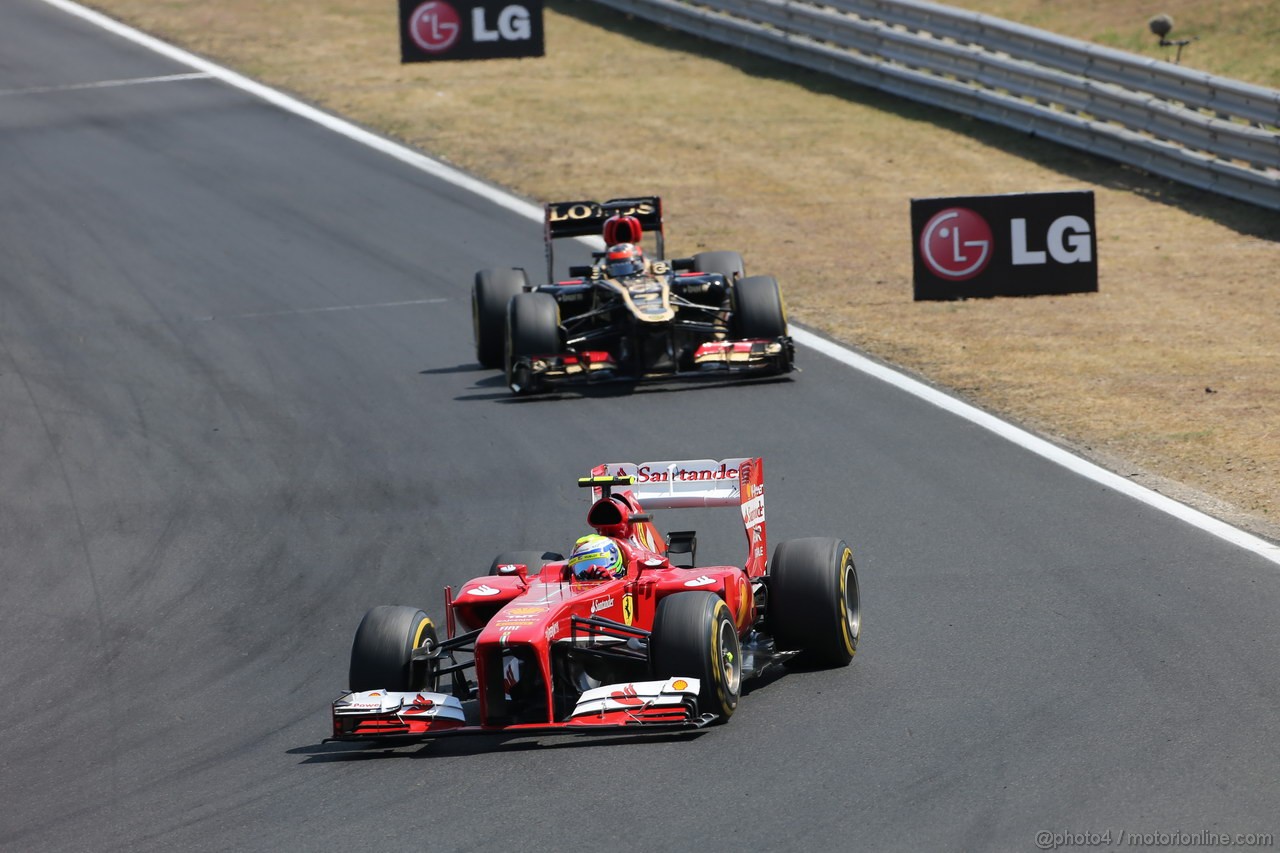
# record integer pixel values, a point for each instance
(749, 356)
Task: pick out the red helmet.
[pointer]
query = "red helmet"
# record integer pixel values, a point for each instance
(624, 259)
(622, 229)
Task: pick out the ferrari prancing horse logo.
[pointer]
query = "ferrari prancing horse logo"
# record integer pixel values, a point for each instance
(628, 608)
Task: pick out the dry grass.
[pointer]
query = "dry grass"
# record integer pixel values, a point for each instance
(812, 179)
(1235, 39)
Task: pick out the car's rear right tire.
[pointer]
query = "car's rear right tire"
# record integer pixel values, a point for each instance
(384, 646)
(490, 294)
(535, 560)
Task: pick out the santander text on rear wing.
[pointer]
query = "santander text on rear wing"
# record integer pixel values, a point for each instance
(692, 483)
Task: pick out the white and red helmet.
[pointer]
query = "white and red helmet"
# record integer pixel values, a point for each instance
(623, 259)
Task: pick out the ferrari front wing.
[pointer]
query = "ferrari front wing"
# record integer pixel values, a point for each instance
(421, 715)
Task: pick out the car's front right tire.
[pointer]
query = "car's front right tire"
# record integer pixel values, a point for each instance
(533, 328)
(384, 646)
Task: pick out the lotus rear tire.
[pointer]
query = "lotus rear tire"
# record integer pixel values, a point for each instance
(728, 264)
(490, 294)
(383, 648)
(814, 605)
(694, 636)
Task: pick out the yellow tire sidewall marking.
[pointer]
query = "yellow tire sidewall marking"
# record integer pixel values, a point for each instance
(846, 560)
(421, 631)
(722, 683)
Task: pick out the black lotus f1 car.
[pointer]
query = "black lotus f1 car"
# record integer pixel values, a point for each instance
(627, 315)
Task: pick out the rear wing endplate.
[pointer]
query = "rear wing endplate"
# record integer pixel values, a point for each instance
(587, 218)
(691, 483)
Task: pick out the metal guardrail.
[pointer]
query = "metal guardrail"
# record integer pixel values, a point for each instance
(1209, 132)
(1142, 74)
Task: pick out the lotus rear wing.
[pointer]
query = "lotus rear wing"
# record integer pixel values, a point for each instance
(694, 483)
(587, 218)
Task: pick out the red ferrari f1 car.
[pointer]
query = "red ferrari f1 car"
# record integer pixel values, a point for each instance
(627, 315)
(628, 632)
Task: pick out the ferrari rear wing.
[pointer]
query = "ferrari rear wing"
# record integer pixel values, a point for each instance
(587, 218)
(693, 483)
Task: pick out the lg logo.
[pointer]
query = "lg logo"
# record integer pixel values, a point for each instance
(956, 243)
(435, 26)
(1015, 244)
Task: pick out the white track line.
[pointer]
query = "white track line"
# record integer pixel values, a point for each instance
(298, 108)
(845, 356)
(324, 310)
(107, 84)
(1040, 447)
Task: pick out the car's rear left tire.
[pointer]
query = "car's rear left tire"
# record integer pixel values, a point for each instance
(383, 649)
(694, 636)
(490, 294)
(728, 264)
(814, 604)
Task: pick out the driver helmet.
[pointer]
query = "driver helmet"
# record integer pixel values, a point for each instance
(624, 259)
(596, 558)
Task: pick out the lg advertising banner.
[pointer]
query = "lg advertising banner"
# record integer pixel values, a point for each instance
(1024, 244)
(469, 29)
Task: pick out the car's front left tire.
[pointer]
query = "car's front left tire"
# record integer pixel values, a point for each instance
(758, 310)
(694, 636)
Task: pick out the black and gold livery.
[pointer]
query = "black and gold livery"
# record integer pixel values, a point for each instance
(660, 318)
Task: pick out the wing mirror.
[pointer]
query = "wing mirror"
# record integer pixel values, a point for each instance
(520, 570)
